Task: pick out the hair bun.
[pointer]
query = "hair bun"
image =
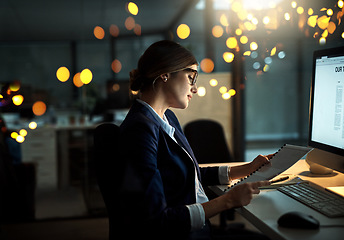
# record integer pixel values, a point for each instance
(136, 80)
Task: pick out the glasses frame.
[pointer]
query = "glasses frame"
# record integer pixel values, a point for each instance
(194, 79)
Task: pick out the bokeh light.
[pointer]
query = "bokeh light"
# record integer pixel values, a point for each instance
(116, 66)
(201, 91)
(217, 31)
(77, 81)
(114, 30)
(62, 74)
(132, 8)
(129, 23)
(207, 65)
(86, 76)
(99, 32)
(32, 125)
(253, 46)
(39, 108)
(228, 57)
(17, 100)
(213, 82)
(232, 42)
(183, 31)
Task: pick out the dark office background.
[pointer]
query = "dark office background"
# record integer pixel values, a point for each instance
(272, 89)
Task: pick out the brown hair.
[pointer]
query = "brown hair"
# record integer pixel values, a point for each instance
(160, 58)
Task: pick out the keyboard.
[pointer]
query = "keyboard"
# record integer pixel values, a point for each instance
(326, 203)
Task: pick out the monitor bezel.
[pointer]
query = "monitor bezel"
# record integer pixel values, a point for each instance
(332, 52)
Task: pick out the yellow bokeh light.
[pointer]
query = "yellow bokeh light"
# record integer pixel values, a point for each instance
(217, 31)
(273, 51)
(300, 10)
(329, 12)
(266, 68)
(23, 132)
(232, 42)
(20, 139)
(312, 21)
(238, 31)
(236, 6)
(342, 34)
(293, 4)
(323, 22)
(86, 76)
(62, 74)
(39, 108)
(99, 32)
(224, 21)
(213, 82)
(228, 57)
(207, 65)
(17, 100)
(287, 16)
(32, 125)
(247, 53)
(226, 96)
(266, 20)
(77, 81)
(14, 135)
(223, 89)
(310, 11)
(232, 92)
(243, 39)
(340, 4)
(15, 86)
(201, 91)
(132, 8)
(253, 46)
(183, 31)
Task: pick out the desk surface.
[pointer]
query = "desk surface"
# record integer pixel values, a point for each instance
(269, 205)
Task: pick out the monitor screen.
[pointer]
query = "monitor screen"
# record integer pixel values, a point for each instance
(326, 121)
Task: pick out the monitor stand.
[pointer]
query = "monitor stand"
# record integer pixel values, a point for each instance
(313, 158)
(318, 159)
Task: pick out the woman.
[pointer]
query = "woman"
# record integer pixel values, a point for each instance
(162, 189)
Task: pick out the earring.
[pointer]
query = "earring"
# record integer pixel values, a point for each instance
(165, 79)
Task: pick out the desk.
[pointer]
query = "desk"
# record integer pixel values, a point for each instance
(265, 208)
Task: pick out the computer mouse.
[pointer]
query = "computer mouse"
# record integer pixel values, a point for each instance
(298, 220)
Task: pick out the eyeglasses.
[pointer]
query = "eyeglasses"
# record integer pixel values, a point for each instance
(192, 79)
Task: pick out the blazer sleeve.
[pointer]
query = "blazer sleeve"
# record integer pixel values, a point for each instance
(143, 203)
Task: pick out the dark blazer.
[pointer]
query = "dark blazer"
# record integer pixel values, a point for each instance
(159, 177)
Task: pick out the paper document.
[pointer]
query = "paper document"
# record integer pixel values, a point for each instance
(286, 156)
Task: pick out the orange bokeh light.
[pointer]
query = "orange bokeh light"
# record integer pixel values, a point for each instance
(99, 32)
(207, 65)
(39, 108)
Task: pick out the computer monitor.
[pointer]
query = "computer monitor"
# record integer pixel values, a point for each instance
(326, 121)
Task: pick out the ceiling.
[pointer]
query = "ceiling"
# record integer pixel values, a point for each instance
(45, 20)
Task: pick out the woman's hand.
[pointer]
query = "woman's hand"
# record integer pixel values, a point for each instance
(258, 162)
(248, 168)
(241, 195)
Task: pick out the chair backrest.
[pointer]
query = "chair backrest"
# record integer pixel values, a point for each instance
(108, 167)
(207, 140)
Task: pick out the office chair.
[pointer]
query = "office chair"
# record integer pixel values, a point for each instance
(207, 140)
(106, 144)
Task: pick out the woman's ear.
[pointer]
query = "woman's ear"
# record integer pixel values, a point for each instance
(164, 77)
